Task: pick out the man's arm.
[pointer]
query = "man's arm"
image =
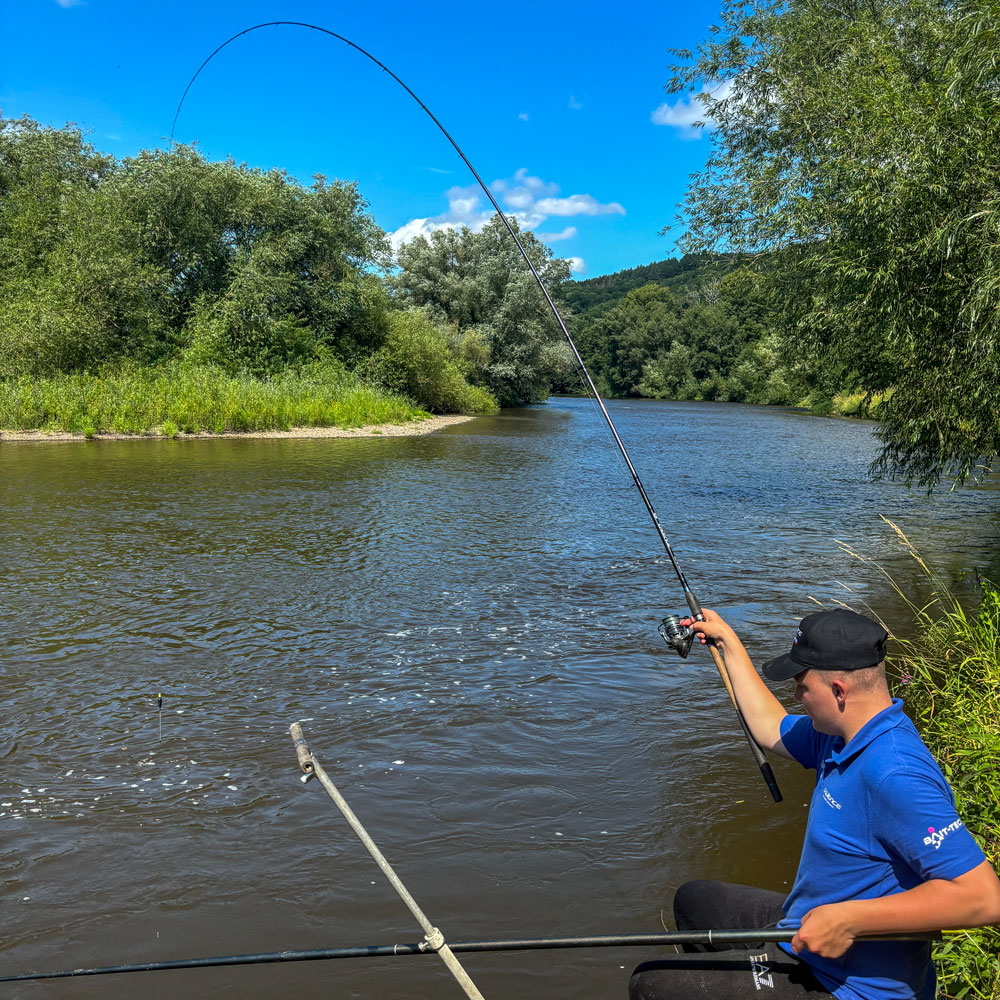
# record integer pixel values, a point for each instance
(760, 708)
(970, 900)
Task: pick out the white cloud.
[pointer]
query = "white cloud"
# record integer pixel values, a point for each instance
(574, 103)
(524, 116)
(578, 204)
(688, 110)
(527, 198)
(71, 3)
(567, 234)
(577, 265)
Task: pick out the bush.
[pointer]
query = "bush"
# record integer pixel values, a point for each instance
(416, 361)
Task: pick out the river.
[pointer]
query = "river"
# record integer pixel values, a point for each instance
(465, 623)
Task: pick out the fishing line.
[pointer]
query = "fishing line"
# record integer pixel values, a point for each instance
(682, 644)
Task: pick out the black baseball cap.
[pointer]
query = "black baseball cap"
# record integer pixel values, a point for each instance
(830, 640)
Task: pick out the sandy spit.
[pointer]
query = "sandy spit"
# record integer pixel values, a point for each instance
(413, 428)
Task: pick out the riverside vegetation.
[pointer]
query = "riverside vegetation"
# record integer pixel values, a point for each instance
(163, 292)
(854, 274)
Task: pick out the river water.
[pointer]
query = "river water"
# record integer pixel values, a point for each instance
(466, 625)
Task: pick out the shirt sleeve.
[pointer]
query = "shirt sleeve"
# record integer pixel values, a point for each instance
(913, 816)
(801, 740)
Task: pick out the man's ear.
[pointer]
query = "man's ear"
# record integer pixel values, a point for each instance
(839, 689)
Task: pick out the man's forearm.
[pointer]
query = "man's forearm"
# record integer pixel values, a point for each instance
(971, 900)
(762, 711)
(940, 904)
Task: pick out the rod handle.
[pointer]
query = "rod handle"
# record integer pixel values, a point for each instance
(772, 784)
(758, 754)
(301, 750)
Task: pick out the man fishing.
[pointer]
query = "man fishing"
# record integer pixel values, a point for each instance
(884, 853)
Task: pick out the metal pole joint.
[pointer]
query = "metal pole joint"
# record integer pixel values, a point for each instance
(433, 940)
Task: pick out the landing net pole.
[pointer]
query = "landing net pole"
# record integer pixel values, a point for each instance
(433, 938)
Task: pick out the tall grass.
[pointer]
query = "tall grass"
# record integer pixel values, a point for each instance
(172, 399)
(948, 673)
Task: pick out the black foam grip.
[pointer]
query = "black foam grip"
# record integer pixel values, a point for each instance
(765, 769)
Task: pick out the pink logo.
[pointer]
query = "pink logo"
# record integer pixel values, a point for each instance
(930, 829)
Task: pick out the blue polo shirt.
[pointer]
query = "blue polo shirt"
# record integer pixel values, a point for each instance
(882, 820)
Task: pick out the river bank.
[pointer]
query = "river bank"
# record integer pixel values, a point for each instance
(427, 425)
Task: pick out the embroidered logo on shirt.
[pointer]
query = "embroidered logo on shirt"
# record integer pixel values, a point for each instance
(936, 837)
(830, 800)
(761, 973)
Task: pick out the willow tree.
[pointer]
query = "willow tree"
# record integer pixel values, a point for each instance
(854, 149)
(166, 254)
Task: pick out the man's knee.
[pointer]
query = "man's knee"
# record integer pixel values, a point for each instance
(692, 899)
(647, 985)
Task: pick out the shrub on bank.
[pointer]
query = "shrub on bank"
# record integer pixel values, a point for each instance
(416, 361)
(176, 398)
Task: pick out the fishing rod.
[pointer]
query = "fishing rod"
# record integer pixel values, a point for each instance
(677, 636)
(751, 937)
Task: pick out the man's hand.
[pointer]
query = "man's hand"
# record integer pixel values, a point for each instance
(826, 930)
(712, 629)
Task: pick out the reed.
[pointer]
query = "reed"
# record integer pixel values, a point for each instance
(947, 669)
(180, 399)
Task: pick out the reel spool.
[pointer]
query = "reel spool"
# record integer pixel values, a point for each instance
(677, 636)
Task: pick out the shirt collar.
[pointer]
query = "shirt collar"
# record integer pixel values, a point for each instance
(878, 724)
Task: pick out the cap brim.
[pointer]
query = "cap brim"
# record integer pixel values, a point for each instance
(782, 668)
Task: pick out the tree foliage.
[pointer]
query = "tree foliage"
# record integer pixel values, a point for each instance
(855, 149)
(592, 296)
(418, 361)
(478, 284)
(166, 254)
(712, 338)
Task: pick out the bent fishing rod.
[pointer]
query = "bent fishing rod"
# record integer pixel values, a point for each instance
(678, 637)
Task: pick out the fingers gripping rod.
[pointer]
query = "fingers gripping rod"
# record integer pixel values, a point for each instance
(692, 601)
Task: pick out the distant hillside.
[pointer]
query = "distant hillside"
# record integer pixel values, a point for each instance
(593, 296)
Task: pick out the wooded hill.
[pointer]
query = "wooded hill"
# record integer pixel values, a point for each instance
(698, 327)
(592, 296)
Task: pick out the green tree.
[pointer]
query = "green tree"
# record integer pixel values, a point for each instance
(855, 148)
(165, 254)
(478, 283)
(642, 325)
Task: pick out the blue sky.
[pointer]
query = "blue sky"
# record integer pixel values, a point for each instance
(560, 107)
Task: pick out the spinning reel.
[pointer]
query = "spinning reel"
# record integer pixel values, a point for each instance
(677, 636)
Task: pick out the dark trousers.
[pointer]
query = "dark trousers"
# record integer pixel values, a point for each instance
(719, 972)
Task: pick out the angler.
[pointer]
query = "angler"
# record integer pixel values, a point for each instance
(885, 852)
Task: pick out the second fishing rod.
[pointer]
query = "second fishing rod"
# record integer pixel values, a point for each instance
(678, 637)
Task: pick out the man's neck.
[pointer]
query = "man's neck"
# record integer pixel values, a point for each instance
(861, 712)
